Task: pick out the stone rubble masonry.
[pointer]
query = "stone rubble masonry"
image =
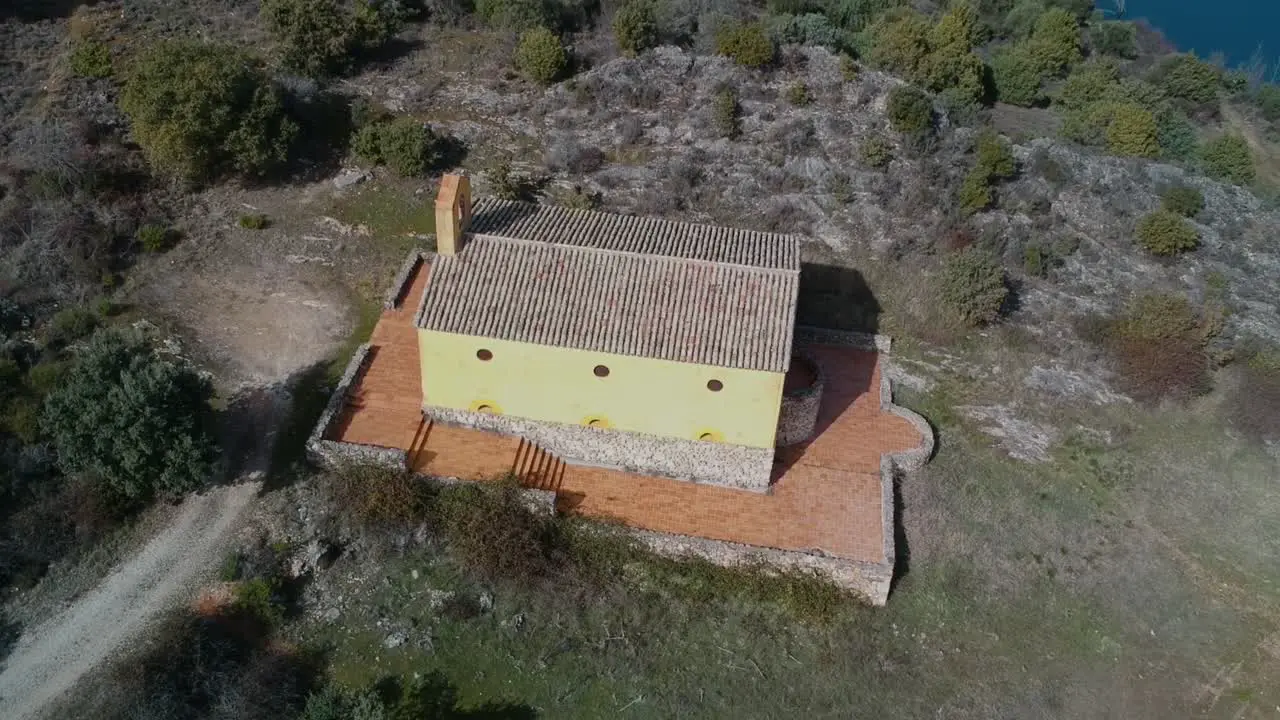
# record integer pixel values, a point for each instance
(401, 284)
(331, 453)
(869, 580)
(714, 463)
(798, 416)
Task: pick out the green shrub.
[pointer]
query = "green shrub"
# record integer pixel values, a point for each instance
(260, 598)
(995, 157)
(136, 420)
(516, 14)
(1267, 98)
(404, 144)
(726, 113)
(808, 29)
(1034, 261)
(1166, 233)
(849, 69)
(910, 111)
(1133, 131)
(378, 498)
(1115, 38)
(876, 152)
(319, 38)
(1229, 158)
(899, 42)
(200, 110)
(958, 75)
(1159, 344)
(1189, 78)
(495, 533)
(956, 29)
(855, 15)
(973, 286)
(635, 26)
(91, 58)
(975, 193)
(45, 376)
(1179, 140)
(1183, 200)
(1020, 20)
(541, 56)
(154, 238)
(254, 221)
(1088, 83)
(746, 44)
(798, 94)
(70, 324)
(1054, 45)
(1015, 76)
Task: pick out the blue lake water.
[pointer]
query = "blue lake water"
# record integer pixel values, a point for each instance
(1232, 27)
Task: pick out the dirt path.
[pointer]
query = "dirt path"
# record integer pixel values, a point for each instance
(51, 657)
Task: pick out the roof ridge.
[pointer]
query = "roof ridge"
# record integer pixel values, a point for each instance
(631, 253)
(640, 234)
(587, 212)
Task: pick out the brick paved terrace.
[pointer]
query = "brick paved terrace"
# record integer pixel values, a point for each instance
(826, 494)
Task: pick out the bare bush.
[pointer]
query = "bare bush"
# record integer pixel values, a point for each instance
(566, 155)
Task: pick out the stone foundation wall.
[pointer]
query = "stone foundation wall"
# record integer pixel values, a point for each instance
(798, 416)
(734, 466)
(869, 580)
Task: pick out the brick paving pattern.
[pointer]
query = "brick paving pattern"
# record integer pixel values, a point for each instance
(826, 494)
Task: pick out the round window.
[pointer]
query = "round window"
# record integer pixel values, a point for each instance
(484, 354)
(715, 385)
(601, 371)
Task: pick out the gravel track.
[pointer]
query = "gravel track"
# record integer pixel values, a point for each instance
(49, 658)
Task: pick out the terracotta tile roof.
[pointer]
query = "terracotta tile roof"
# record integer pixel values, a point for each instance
(627, 233)
(624, 303)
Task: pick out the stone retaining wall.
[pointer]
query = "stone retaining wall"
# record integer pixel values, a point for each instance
(331, 453)
(734, 466)
(859, 340)
(401, 283)
(798, 416)
(869, 580)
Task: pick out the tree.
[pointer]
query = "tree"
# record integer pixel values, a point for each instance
(1166, 233)
(973, 286)
(1055, 42)
(1132, 131)
(136, 420)
(1016, 77)
(540, 56)
(200, 110)
(746, 44)
(319, 38)
(635, 26)
(1229, 158)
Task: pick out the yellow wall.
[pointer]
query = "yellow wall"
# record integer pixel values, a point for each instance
(659, 397)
